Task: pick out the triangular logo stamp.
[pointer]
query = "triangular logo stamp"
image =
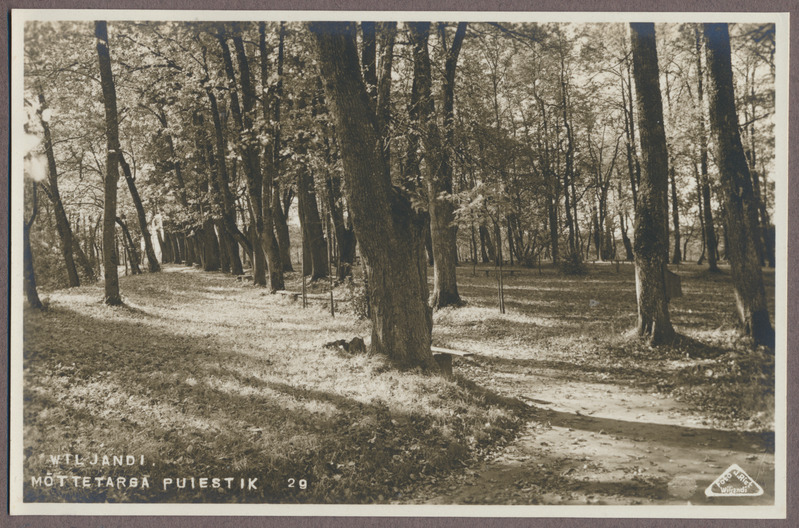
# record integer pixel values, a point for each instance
(734, 482)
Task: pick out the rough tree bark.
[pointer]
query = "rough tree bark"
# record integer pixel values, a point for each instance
(388, 229)
(650, 244)
(110, 261)
(736, 184)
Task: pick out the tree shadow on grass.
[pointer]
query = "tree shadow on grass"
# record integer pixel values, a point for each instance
(664, 434)
(607, 374)
(197, 400)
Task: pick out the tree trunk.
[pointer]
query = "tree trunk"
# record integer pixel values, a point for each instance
(369, 58)
(313, 237)
(388, 32)
(438, 165)
(711, 242)
(511, 247)
(62, 223)
(428, 241)
(736, 185)
(487, 247)
(110, 261)
(82, 259)
(700, 214)
(650, 246)
(675, 216)
(628, 246)
(224, 247)
(388, 229)
(345, 236)
(499, 255)
(552, 211)
(179, 246)
(29, 275)
(191, 254)
(280, 211)
(228, 200)
(127, 241)
(211, 260)
(272, 157)
(152, 260)
(248, 150)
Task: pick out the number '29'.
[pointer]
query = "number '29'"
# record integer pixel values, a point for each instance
(301, 483)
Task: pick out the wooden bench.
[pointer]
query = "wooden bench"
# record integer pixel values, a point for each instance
(443, 357)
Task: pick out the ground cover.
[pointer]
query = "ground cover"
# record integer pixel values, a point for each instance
(205, 376)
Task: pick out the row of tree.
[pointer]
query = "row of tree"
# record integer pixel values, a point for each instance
(551, 147)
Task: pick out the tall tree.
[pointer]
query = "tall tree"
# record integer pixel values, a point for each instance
(227, 198)
(247, 148)
(280, 199)
(264, 218)
(62, 222)
(437, 160)
(388, 229)
(110, 258)
(152, 261)
(736, 184)
(707, 210)
(651, 216)
(313, 238)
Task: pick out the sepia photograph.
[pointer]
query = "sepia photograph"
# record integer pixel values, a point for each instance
(450, 263)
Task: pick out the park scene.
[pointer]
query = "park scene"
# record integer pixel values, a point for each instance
(399, 262)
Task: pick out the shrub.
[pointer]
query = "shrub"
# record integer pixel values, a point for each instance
(573, 265)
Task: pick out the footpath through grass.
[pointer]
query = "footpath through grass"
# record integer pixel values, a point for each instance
(204, 377)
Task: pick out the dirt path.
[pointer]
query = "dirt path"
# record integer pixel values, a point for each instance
(602, 443)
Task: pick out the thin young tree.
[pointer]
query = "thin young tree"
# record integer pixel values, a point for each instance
(651, 216)
(62, 222)
(707, 210)
(29, 275)
(736, 184)
(110, 258)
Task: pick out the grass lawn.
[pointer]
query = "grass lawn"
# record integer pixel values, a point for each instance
(202, 376)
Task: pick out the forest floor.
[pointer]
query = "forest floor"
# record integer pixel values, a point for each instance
(205, 376)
